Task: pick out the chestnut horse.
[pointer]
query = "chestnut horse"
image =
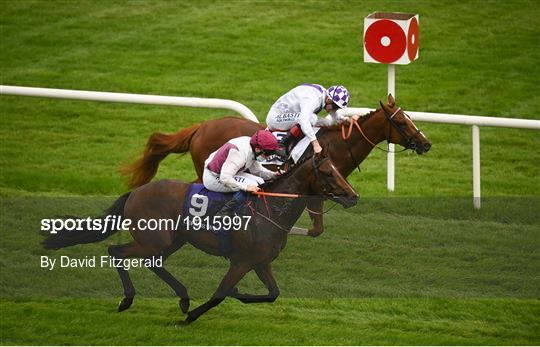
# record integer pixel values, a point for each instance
(347, 147)
(254, 246)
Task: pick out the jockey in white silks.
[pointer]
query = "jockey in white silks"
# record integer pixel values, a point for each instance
(224, 170)
(296, 112)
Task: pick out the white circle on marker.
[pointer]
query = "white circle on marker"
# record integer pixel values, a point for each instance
(385, 41)
(413, 39)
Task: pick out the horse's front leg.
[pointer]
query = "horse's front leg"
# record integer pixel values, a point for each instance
(267, 277)
(316, 217)
(234, 275)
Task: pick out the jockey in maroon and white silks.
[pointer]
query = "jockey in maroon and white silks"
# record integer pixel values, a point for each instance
(301, 106)
(224, 170)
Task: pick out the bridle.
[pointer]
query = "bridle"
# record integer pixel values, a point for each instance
(315, 165)
(409, 144)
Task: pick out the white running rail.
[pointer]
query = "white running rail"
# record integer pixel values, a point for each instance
(474, 121)
(130, 98)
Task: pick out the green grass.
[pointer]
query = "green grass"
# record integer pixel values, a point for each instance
(469, 64)
(385, 272)
(417, 266)
(286, 322)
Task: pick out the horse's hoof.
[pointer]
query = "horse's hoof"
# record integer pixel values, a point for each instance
(184, 305)
(313, 233)
(181, 324)
(125, 304)
(185, 322)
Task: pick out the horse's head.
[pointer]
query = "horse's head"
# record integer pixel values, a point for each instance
(327, 181)
(402, 130)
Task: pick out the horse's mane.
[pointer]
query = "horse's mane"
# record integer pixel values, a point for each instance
(289, 173)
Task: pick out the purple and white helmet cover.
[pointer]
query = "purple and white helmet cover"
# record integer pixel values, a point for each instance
(339, 95)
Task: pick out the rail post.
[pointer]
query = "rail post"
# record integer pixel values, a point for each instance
(476, 166)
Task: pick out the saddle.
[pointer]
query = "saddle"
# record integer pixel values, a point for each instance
(295, 153)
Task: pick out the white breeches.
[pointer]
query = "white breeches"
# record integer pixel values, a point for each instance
(211, 181)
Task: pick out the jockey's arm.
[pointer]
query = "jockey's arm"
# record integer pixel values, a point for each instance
(307, 120)
(333, 117)
(336, 117)
(259, 170)
(231, 167)
(325, 121)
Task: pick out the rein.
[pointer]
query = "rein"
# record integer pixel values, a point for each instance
(323, 212)
(271, 221)
(355, 123)
(279, 226)
(262, 194)
(279, 195)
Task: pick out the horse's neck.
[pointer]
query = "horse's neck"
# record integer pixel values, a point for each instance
(374, 129)
(286, 211)
(295, 183)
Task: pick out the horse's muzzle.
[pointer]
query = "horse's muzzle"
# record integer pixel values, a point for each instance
(423, 147)
(419, 147)
(346, 201)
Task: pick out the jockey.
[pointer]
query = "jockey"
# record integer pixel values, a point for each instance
(296, 112)
(224, 170)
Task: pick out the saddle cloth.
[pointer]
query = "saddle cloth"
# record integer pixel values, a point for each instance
(201, 202)
(297, 151)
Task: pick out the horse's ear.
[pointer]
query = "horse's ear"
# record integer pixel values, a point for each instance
(391, 100)
(382, 105)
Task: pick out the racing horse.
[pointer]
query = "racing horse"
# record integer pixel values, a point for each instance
(254, 246)
(347, 147)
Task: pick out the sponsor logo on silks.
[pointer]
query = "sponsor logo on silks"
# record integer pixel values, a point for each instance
(287, 117)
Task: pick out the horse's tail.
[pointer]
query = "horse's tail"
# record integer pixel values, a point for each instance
(92, 232)
(159, 145)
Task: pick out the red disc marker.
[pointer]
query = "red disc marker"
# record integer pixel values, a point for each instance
(412, 39)
(385, 41)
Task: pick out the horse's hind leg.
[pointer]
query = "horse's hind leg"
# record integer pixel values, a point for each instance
(120, 252)
(167, 277)
(267, 277)
(234, 275)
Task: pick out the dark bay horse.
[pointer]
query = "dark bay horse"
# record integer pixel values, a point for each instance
(253, 247)
(347, 147)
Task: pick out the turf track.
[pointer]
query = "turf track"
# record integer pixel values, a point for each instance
(418, 266)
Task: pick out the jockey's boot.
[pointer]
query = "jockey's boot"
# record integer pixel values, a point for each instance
(288, 141)
(230, 207)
